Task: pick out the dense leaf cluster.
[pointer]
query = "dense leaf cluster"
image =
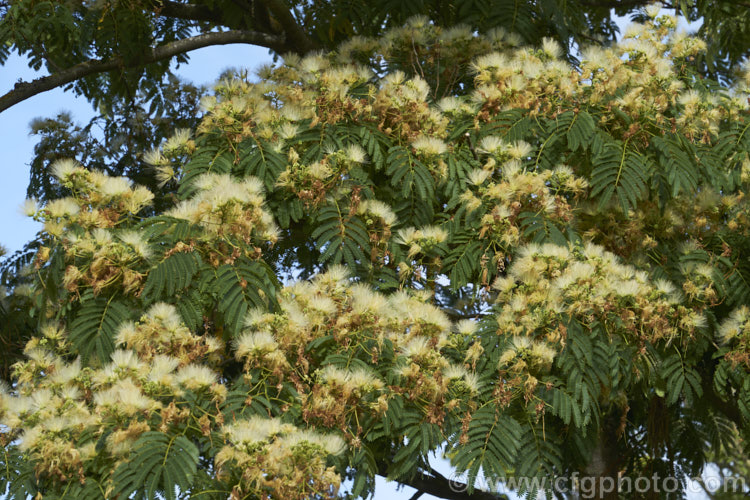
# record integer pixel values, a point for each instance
(543, 265)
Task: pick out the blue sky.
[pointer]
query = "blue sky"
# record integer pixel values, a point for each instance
(17, 149)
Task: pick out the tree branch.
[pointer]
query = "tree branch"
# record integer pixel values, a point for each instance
(23, 90)
(295, 35)
(441, 487)
(613, 4)
(187, 11)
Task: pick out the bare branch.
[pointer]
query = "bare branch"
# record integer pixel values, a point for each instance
(23, 90)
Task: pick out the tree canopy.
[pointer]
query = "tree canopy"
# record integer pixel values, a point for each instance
(110, 50)
(435, 240)
(119, 55)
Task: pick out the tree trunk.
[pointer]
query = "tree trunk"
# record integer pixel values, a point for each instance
(599, 479)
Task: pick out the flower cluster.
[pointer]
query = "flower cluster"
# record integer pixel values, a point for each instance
(424, 240)
(311, 89)
(647, 63)
(266, 453)
(99, 250)
(103, 258)
(402, 109)
(161, 332)
(311, 183)
(549, 289)
(547, 286)
(735, 331)
(224, 207)
(400, 338)
(379, 220)
(59, 408)
(167, 159)
(97, 200)
(62, 411)
(510, 196)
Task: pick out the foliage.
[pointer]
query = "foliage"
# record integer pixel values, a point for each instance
(84, 31)
(16, 324)
(544, 266)
(139, 100)
(115, 141)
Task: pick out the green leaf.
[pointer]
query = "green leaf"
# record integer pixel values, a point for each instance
(246, 284)
(581, 131)
(681, 380)
(618, 171)
(341, 237)
(566, 407)
(409, 174)
(173, 273)
(259, 160)
(462, 262)
(512, 125)
(677, 161)
(539, 229)
(94, 327)
(17, 477)
(158, 464)
(540, 455)
(492, 445)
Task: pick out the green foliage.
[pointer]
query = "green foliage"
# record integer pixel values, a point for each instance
(529, 267)
(17, 479)
(542, 458)
(583, 366)
(172, 274)
(16, 325)
(114, 141)
(241, 287)
(619, 172)
(682, 382)
(491, 443)
(160, 463)
(95, 326)
(340, 238)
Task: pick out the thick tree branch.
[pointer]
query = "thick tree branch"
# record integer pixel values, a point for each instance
(438, 485)
(23, 90)
(295, 35)
(613, 4)
(187, 11)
